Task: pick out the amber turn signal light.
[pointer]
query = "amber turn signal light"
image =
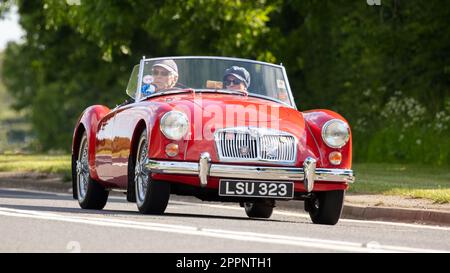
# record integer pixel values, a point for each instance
(172, 149)
(335, 158)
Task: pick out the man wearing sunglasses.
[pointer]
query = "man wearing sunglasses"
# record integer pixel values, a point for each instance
(165, 74)
(236, 78)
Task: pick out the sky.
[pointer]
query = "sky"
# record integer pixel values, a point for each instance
(10, 29)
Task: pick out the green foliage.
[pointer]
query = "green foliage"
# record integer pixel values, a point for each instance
(5, 6)
(227, 27)
(385, 68)
(413, 145)
(15, 132)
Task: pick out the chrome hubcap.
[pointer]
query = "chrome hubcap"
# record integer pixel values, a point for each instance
(82, 170)
(141, 175)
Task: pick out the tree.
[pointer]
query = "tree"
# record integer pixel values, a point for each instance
(351, 57)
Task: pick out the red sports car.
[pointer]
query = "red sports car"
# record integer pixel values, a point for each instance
(220, 129)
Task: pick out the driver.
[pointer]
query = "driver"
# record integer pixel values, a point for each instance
(236, 78)
(165, 74)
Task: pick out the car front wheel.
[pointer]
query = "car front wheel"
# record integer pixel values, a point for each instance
(90, 194)
(152, 196)
(325, 207)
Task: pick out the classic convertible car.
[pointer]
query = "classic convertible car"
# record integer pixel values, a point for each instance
(219, 129)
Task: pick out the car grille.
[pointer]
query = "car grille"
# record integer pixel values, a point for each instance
(255, 144)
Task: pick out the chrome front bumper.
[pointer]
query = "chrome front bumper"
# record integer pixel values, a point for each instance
(308, 174)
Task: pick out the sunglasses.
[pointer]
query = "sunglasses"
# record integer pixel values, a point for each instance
(228, 82)
(160, 72)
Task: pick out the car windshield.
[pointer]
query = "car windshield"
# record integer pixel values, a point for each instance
(214, 74)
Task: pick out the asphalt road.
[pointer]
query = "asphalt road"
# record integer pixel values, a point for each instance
(50, 222)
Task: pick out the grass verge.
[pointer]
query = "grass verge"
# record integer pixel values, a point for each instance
(410, 180)
(48, 164)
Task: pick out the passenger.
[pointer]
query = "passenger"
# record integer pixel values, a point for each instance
(236, 78)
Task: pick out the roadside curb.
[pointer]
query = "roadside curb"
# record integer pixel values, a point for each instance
(35, 181)
(379, 213)
(421, 216)
(53, 183)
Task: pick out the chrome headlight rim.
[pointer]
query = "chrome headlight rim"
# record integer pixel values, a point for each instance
(163, 121)
(324, 132)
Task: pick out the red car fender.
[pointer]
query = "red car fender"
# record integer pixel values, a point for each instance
(88, 122)
(148, 117)
(315, 119)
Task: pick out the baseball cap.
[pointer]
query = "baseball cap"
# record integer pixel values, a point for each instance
(240, 73)
(169, 65)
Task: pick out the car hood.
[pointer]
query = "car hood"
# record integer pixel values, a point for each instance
(209, 112)
(213, 111)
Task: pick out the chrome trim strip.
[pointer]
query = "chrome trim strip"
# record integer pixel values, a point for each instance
(334, 175)
(250, 172)
(309, 168)
(253, 172)
(203, 168)
(172, 167)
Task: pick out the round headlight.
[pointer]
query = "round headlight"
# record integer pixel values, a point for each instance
(174, 125)
(335, 133)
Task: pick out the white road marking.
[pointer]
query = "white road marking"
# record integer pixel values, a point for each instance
(275, 212)
(328, 245)
(306, 216)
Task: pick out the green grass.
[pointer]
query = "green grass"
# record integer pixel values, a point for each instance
(403, 179)
(49, 164)
(389, 179)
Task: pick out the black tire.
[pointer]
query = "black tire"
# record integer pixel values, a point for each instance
(326, 207)
(131, 193)
(259, 209)
(93, 195)
(152, 196)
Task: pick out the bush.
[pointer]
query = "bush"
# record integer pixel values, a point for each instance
(406, 133)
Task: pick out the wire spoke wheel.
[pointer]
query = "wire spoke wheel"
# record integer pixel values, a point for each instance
(90, 193)
(141, 176)
(152, 196)
(82, 170)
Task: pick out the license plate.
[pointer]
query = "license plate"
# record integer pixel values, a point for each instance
(267, 189)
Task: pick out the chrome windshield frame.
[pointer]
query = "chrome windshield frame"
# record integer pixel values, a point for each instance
(212, 58)
(138, 97)
(291, 96)
(141, 74)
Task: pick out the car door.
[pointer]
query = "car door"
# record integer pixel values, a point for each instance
(124, 125)
(122, 133)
